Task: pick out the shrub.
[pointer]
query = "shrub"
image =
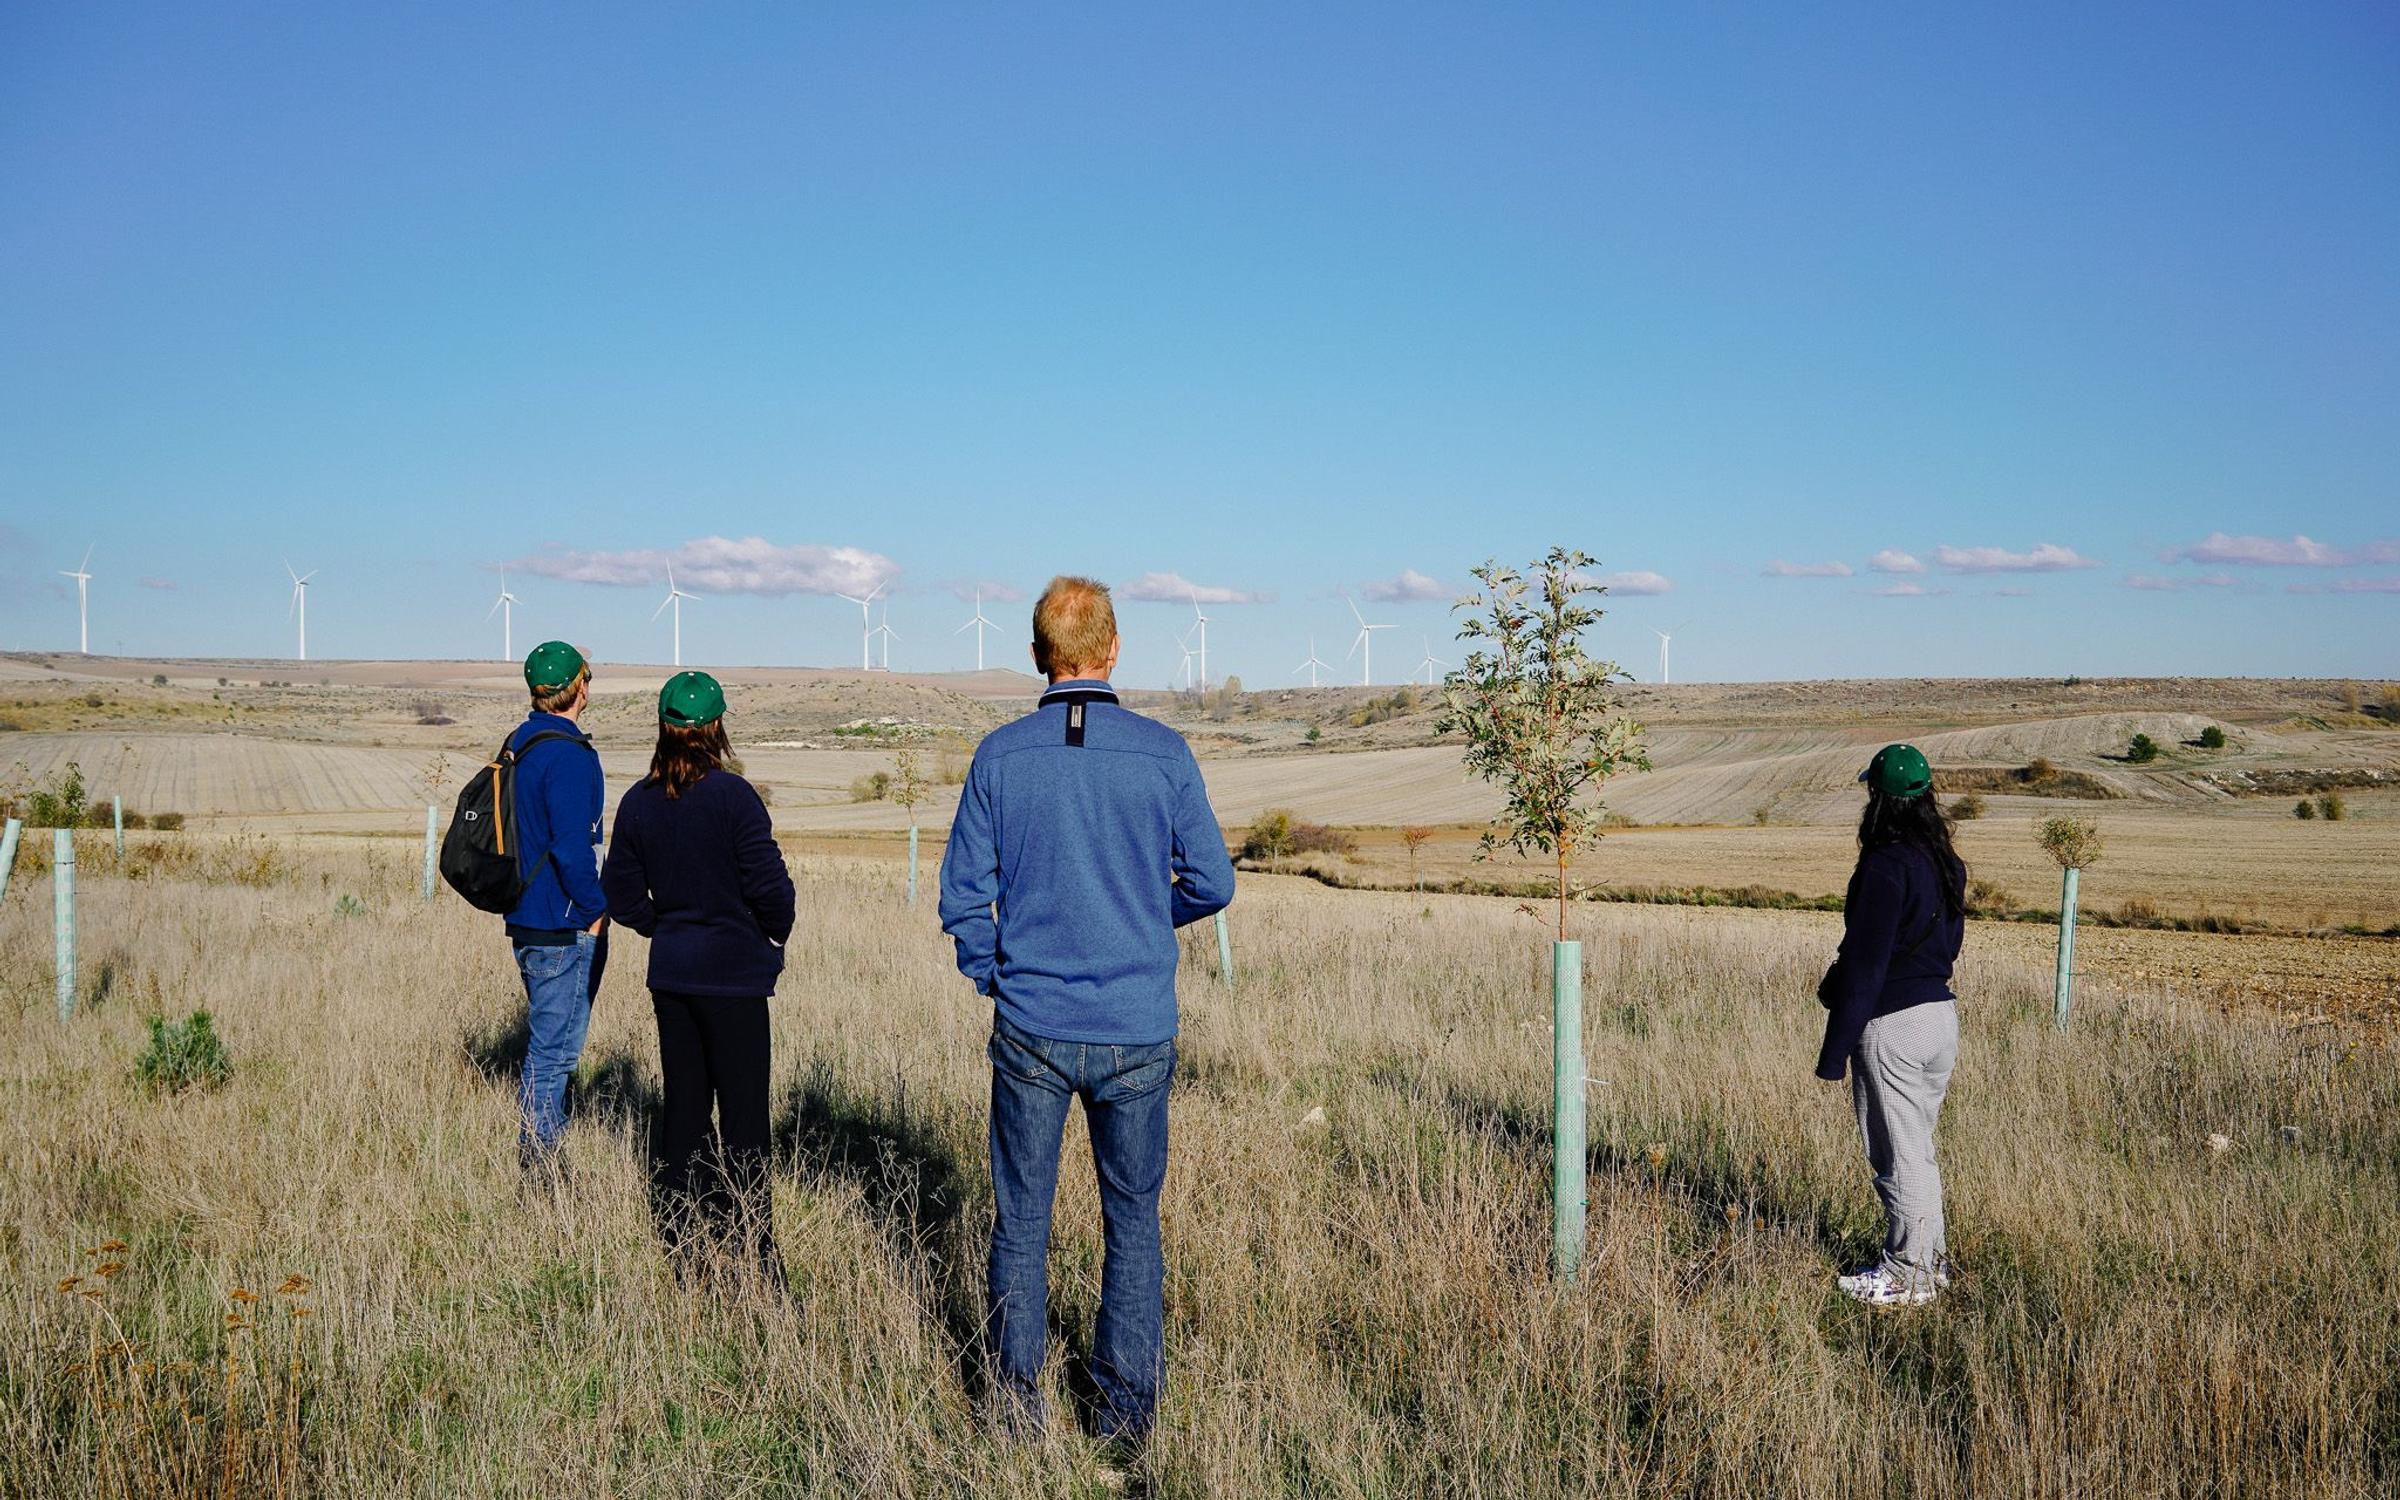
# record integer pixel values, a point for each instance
(2138, 912)
(2332, 807)
(1314, 734)
(2073, 842)
(135, 820)
(2039, 770)
(167, 822)
(2304, 810)
(1966, 809)
(872, 787)
(1989, 898)
(1270, 836)
(2351, 702)
(93, 699)
(1316, 838)
(64, 803)
(2390, 706)
(2142, 751)
(158, 679)
(183, 1055)
(2212, 738)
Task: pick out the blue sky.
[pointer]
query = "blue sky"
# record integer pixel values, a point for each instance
(2091, 312)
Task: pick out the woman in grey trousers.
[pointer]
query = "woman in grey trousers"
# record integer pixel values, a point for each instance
(1891, 1022)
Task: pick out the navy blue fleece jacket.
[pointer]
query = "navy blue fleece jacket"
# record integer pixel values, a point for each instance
(559, 794)
(1899, 941)
(1056, 884)
(701, 877)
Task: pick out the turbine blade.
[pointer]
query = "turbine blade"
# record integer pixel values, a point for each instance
(662, 606)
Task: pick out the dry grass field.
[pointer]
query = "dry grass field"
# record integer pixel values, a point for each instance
(2173, 1225)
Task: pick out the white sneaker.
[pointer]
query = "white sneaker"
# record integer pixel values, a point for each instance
(1886, 1286)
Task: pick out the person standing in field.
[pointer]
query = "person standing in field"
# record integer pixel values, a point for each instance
(1892, 1021)
(559, 928)
(694, 867)
(1083, 839)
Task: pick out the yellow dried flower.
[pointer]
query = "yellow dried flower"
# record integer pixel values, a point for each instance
(114, 1247)
(70, 1284)
(110, 1268)
(242, 1294)
(294, 1285)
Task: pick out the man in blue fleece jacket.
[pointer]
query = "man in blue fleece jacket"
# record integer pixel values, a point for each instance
(1083, 839)
(560, 929)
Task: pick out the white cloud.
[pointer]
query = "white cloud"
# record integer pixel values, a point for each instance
(2275, 552)
(1781, 569)
(1174, 588)
(2368, 586)
(1907, 591)
(721, 565)
(2168, 583)
(1893, 560)
(2012, 593)
(1636, 581)
(2048, 557)
(1411, 587)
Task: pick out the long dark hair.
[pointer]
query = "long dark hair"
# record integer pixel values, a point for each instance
(1920, 823)
(687, 752)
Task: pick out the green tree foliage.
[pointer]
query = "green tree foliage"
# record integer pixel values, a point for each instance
(907, 784)
(1542, 720)
(2332, 807)
(2073, 842)
(2212, 737)
(2304, 810)
(2142, 751)
(183, 1054)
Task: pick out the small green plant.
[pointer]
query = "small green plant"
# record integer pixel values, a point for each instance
(167, 822)
(348, 906)
(1966, 809)
(2142, 751)
(906, 785)
(2038, 770)
(2212, 737)
(1989, 898)
(1542, 720)
(2332, 806)
(64, 803)
(2074, 843)
(1314, 734)
(183, 1055)
(1270, 836)
(2304, 810)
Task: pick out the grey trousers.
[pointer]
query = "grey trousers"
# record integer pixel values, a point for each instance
(1898, 1077)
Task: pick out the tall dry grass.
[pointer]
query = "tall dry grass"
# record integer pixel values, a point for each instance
(1355, 1307)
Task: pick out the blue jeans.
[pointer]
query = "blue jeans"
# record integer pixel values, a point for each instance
(1124, 1093)
(559, 985)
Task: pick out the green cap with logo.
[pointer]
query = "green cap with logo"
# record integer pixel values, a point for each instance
(691, 698)
(1899, 771)
(553, 664)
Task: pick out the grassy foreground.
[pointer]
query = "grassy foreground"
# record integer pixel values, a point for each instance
(1357, 1302)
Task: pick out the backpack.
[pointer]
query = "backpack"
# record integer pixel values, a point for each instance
(479, 853)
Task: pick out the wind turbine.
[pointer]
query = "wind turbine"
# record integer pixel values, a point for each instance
(1429, 663)
(1200, 623)
(299, 605)
(505, 608)
(1312, 665)
(1665, 638)
(979, 624)
(866, 625)
(885, 630)
(1362, 645)
(675, 598)
(83, 613)
(1183, 644)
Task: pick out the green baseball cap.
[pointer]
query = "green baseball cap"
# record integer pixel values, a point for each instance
(553, 664)
(691, 698)
(1899, 771)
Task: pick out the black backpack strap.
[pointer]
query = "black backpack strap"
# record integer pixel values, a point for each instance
(517, 753)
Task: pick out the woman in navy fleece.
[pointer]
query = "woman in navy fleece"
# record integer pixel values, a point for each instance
(693, 866)
(1891, 1020)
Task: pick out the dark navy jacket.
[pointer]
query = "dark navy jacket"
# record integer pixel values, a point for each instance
(1055, 885)
(1899, 942)
(559, 799)
(701, 877)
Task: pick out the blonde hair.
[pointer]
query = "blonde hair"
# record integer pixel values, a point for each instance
(1073, 625)
(551, 700)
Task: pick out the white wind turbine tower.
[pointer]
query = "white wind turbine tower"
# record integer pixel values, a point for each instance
(83, 600)
(885, 631)
(299, 605)
(979, 625)
(866, 626)
(505, 608)
(1430, 662)
(1200, 623)
(1362, 645)
(674, 599)
(1665, 638)
(1312, 665)
(1183, 644)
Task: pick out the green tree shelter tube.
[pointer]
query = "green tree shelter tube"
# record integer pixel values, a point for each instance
(1567, 1131)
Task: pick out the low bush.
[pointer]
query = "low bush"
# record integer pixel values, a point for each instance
(2212, 737)
(2304, 810)
(872, 787)
(183, 1055)
(2142, 751)
(1989, 898)
(2332, 807)
(1966, 809)
(167, 822)
(1278, 834)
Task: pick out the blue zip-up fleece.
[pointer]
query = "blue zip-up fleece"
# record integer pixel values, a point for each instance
(701, 877)
(1899, 943)
(559, 797)
(1055, 884)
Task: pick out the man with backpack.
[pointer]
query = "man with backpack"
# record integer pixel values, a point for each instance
(559, 926)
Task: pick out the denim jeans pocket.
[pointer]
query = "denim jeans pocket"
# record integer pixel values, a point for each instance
(548, 962)
(1141, 1070)
(1012, 1056)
